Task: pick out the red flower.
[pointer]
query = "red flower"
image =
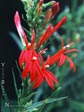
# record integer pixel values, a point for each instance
(49, 76)
(39, 6)
(55, 9)
(52, 11)
(46, 35)
(40, 2)
(61, 56)
(32, 65)
(28, 57)
(50, 30)
(20, 30)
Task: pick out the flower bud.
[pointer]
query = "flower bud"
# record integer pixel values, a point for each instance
(46, 6)
(48, 15)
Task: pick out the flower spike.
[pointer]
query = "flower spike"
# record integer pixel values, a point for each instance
(31, 59)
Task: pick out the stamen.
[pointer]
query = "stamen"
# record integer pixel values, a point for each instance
(67, 46)
(34, 58)
(47, 66)
(29, 44)
(43, 51)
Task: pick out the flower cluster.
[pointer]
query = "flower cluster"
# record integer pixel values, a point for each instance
(31, 59)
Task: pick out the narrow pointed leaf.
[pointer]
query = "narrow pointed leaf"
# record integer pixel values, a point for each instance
(40, 103)
(16, 89)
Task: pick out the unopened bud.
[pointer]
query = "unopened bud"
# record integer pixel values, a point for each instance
(41, 2)
(55, 9)
(48, 15)
(30, 3)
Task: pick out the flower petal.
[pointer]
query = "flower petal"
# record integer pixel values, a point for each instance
(39, 71)
(46, 35)
(38, 81)
(25, 71)
(33, 73)
(53, 77)
(40, 2)
(21, 58)
(48, 15)
(72, 66)
(62, 60)
(55, 9)
(28, 56)
(48, 79)
(53, 59)
(71, 50)
(20, 30)
(60, 23)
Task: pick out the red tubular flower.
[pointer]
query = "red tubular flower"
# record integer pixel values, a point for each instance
(61, 57)
(49, 76)
(60, 23)
(46, 35)
(41, 2)
(31, 62)
(50, 30)
(48, 15)
(28, 57)
(52, 11)
(51, 60)
(20, 30)
(39, 6)
(55, 9)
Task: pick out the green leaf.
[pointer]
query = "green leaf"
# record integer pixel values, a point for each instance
(56, 92)
(16, 40)
(18, 68)
(40, 103)
(16, 89)
(26, 99)
(41, 108)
